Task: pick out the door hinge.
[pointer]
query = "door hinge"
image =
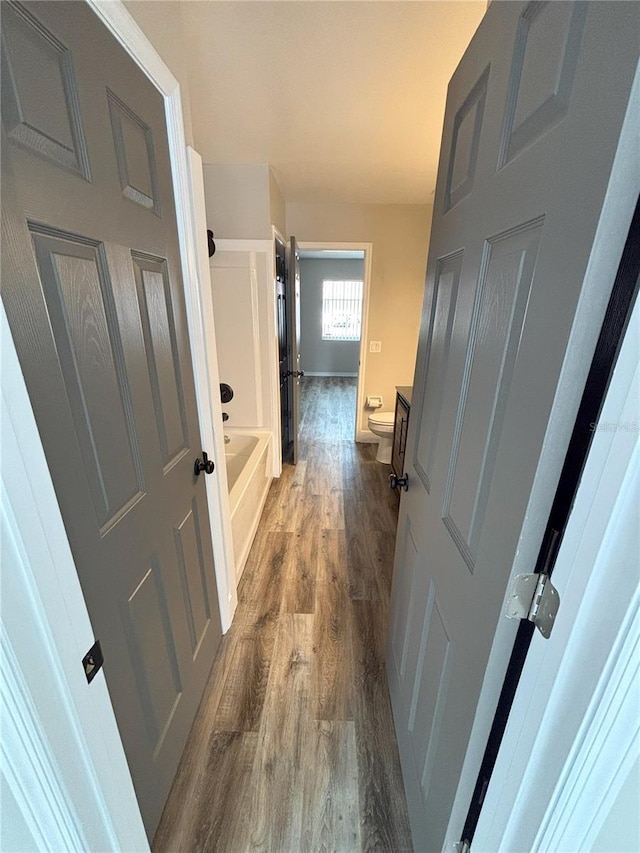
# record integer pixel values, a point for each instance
(462, 847)
(535, 598)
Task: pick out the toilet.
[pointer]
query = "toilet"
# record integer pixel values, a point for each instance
(381, 425)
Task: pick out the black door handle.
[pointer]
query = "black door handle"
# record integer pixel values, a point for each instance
(396, 482)
(205, 465)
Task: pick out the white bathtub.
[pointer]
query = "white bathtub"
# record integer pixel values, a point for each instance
(249, 475)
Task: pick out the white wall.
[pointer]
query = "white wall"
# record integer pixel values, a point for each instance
(238, 200)
(234, 284)
(318, 356)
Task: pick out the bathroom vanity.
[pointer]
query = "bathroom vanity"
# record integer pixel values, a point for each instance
(403, 407)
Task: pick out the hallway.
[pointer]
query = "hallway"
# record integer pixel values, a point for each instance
(293, 748)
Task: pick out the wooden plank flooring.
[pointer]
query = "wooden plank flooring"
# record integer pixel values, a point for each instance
(293, 749)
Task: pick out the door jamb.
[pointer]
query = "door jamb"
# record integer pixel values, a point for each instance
(360, 433)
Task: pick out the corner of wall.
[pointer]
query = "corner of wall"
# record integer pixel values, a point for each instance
(163, 25)
(277, 205)
(237, 198)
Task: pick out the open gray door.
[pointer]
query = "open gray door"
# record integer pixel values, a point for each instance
(534, 115)
(93, 291)
(293, 287)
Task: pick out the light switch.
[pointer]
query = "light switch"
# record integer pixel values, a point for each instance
(375, 346)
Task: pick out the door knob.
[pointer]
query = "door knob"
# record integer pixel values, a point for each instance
(226, 393)
(205, 464)
(396, 482)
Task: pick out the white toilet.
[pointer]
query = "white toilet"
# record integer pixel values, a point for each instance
(381, 425)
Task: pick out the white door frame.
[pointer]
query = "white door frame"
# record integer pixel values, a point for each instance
(52, 715)
(360, 432)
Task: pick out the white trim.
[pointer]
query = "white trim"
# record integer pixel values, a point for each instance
(607, 750)
(65, 732)
(360, 433)
(123, 27)
(217, 487)
(29, 767)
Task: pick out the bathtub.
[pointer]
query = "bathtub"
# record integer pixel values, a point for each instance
(249, 474)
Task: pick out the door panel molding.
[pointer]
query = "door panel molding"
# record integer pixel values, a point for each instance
(529, 114)
(135, 155)
(194, 584)
(64, 263)
(465, 143)
(158, 327)
(506, 276)
(153, 653)
(62, 142)
(438, 346)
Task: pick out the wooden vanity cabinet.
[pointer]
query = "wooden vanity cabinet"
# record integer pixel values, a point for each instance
(401, 426)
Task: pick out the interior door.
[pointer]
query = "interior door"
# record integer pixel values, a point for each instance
(293, 270)
(283, 351)
(533, 117)
(93, 291)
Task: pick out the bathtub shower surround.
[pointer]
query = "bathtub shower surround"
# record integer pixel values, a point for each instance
(249, 475)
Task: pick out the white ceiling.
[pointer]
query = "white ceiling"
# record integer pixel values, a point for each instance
(343, 99)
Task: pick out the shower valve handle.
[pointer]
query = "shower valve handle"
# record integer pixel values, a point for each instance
(205, 465)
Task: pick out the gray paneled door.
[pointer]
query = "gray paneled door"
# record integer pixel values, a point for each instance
(533, 117)
(92, 286)
(293, 287)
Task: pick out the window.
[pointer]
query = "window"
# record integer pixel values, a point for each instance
(341, 310)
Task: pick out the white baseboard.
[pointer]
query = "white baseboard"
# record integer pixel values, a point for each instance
(311, 373)
(366, 436)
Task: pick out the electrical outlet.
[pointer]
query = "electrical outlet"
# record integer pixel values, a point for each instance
(375, 346)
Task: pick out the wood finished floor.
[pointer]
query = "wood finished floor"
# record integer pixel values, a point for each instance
(293, 748)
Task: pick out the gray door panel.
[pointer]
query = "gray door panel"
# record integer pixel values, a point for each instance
(533, 118)
(93, 290)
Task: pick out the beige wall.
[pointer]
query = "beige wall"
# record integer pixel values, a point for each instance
(237, 200)
(243, 201)
(163, 26)
(400, 238)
